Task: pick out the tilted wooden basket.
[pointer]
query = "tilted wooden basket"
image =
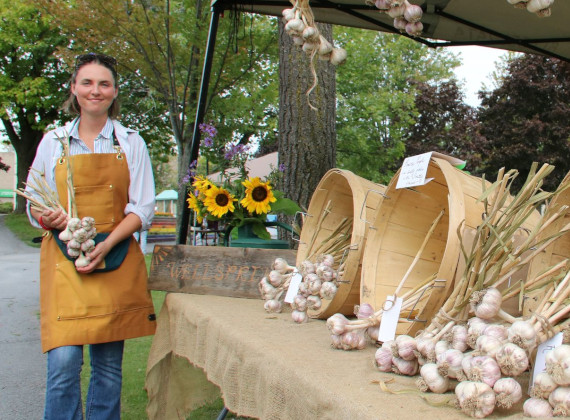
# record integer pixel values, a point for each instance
(340, 195)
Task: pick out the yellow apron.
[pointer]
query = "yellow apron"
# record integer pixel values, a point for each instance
(97, 307)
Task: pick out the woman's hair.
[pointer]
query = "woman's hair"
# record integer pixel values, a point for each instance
(71, 106)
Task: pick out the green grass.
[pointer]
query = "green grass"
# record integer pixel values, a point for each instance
(133, 397)
(6, 208)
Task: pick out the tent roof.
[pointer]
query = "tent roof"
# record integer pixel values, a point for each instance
(490, 23)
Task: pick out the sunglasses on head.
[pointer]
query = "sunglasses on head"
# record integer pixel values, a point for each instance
(107, 60)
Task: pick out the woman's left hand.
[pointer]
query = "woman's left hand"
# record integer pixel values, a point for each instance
(96, 256)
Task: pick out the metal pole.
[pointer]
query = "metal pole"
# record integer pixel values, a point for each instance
(200, 111)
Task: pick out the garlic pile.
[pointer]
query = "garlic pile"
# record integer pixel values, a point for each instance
(406, 16)
(319, 281)
(539, 7)
(79, 236)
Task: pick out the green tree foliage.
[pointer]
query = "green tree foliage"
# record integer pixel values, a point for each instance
(526, 118)
(30, 79)
(444, 123)
(164, 41)
(376, 105)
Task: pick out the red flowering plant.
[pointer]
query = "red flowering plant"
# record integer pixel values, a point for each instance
(236, 199)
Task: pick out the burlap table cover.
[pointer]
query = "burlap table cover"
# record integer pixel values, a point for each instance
(268, 367)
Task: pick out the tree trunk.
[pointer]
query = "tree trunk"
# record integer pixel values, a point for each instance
(307, 137)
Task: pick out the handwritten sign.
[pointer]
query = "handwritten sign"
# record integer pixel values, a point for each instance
(540, 361)
(390, 317)
(215, 270)
(413, 171)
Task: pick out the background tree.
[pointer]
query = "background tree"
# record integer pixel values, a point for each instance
(526, 118)
(30, 78)
(376, 98)
(444, 123)
(307, 137)
(163, 41)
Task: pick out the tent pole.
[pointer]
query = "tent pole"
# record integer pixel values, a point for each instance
(200, 110)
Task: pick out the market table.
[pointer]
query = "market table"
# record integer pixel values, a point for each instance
(268, 367)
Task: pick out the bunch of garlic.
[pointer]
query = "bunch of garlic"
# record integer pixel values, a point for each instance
(406, 16)
(300, 25)
(319, 282)
(542, 8)
(274, 286)
(79, 236)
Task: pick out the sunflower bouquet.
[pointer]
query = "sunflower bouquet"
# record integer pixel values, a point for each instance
(237, 199)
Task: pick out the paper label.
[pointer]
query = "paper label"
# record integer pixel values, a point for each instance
(414, 171)
(390, 317)
(540, 361)
(293, 289)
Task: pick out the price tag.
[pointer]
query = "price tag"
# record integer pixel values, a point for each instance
(540, 361)
(390, 317)
(293, 289)
(414, 171)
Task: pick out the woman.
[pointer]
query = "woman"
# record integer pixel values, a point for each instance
(113, 183)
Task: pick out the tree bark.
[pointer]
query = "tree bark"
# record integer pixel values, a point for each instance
(307, 136)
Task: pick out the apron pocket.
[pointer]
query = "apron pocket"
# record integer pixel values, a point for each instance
(101, 209)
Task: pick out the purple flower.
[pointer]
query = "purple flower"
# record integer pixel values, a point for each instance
(282, 167)
(208, 142)
(190, 173)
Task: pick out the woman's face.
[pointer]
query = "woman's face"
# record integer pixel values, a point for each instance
(94, 89)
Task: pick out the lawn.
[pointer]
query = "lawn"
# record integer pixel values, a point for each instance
(134, 397)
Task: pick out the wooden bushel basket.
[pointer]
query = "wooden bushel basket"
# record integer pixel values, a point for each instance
(341, 194)
(553, 254)
(399, 231)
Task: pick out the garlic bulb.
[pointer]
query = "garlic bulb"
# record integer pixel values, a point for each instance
(476, 399)
(74, 223)
(266, 290)
(449, 363)
(272, 305)
(314, 302)
(404, 367)
(404, 347)
(87, 223)
(397, 11)
(73, 252)
(383, 5)
(486, 303)
(337, 324)
(414, 28)
(82, 260)
(432, 380)
(326, 259)
(338, 56)
(559, 400)
(299, 303)
(484, 369)
(558, 364)
(288, 14)
(412, 12)
(299, 316)
(440, 347)
(508, 392)
(535, 407)
(328, 290)
(475, 328)
(426, 348)
(383, 359)
(314, 286)
(540, 7)
(363, 311)
(543, 385)
(373, 332)
(65, 235)
(275, 278)
(400, 24)
(281, 266)
(307, 267)
(459, 337)
(511, 359)
(523, 335)
(466, 366)
(88, 246)
(497, 331)
(518, 3)
(353, 340)
(488, 345)
(311, 34)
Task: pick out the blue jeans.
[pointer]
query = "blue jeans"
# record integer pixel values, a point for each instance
(63, 390)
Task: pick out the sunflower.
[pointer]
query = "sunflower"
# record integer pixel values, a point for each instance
(258, 195)
(219, 201)
(193, 205)
(202, 184)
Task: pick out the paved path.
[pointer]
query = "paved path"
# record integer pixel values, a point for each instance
(22, 363)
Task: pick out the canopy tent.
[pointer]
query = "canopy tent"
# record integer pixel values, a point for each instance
(490, 23)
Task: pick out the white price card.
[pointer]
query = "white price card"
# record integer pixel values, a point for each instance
(293, 289)
(390, 317)
(540, 361)
(414, 170)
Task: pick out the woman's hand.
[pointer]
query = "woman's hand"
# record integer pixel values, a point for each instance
(96, 256)
(56, 219)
